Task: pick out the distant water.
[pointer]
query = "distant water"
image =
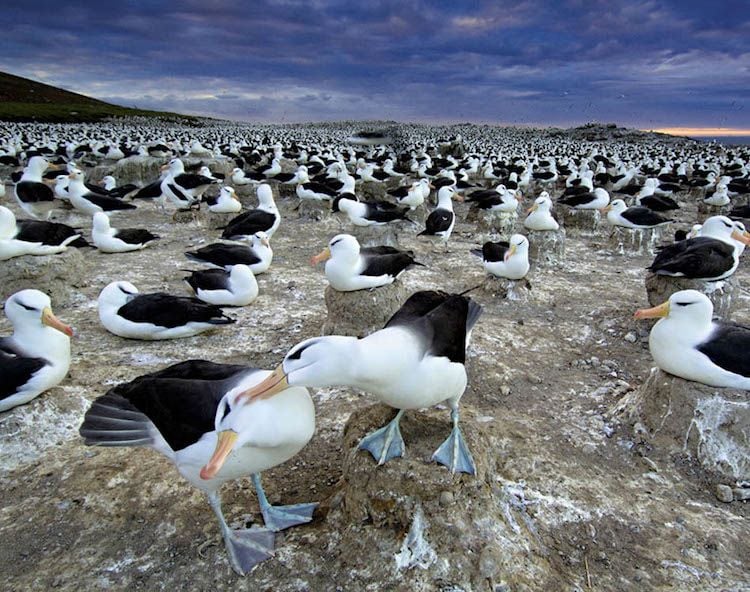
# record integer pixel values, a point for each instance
(727, 140)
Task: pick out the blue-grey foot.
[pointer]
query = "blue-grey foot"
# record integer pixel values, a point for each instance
(454, 453)
(280, 517)
(247, 548)
(385, 443)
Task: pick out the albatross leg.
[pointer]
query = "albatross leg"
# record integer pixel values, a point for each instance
(385, 443)
(280, 517)
(454, 453)
(247, 547)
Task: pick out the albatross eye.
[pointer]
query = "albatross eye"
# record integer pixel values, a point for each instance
(27, 307)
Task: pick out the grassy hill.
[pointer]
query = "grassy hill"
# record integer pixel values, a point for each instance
(25, 100)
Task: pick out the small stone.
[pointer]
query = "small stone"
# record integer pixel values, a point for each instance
(595, 362)
(505, 390)
(589, 448)
(724, 493)
(741, 493)
(446, 498)
(489, 565)
(631, 337)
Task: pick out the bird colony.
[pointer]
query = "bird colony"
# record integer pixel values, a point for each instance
(471, 437)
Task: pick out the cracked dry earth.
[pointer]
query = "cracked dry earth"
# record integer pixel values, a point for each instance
(565, 499)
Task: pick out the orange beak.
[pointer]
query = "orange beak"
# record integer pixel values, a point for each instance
(324, 255)
(606, 209)
(274, 383)
(742, 237)
(653, 313)
(510, 252)
(51, 320)
(532, 209)
(224, 446)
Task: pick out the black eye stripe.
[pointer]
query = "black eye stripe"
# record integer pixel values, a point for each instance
(684, 303)
(26, 306)
(336, 241)
(298, 353)
(124, 291)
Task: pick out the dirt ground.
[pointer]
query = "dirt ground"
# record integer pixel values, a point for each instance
(565, 499)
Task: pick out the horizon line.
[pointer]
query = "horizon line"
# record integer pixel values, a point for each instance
(702, 132)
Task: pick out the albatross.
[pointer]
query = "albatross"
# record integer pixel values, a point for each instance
(188, 413)
(415, 361)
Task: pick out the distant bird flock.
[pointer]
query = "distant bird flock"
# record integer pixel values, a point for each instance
(218, 422)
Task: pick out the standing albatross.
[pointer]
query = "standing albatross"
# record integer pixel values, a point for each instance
(187, 413)
(415, 361)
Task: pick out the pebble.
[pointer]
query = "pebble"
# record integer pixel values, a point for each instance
(724, 493)
(505, 390)
(446, 498)
(489, 566)
(631, 337)
(741, 493)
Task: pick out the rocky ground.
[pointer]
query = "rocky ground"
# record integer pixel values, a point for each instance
(566, 497)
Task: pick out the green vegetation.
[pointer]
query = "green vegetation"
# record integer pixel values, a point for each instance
(25, 100)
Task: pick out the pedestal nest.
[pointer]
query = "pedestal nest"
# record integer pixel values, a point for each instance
(706, 210)
(369, 191)
(724, 294)
(375, 236)
(361, 312)
(579, 220)
(140, 170)
(505, 289)
(215, 220)
(58, 276)
(200, 216)
(546, 247)
(629, 241)
(311, 209)
(411, 518)
(503, 223)
(708, 424)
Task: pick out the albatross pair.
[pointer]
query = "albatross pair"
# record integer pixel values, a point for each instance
(219, 422)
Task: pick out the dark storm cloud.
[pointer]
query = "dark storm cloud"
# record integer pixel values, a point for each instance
(646, 62)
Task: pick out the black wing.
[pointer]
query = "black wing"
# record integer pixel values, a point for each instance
(248, 223)
(659, 203)
(438, 221)
(16, 371)
(440, 320)
(643, 216)
(700, 257)
(191, 181)
(577, 200)
(108, 203)
(390, 264)
(209, 279)
(729, 347)
(48, 233)
(400, 192)
(165, 310)
(179, 401)
(494, 251)
(33, 192)
(381, 214)
(150, 191)
(135, 236)
(223, 254)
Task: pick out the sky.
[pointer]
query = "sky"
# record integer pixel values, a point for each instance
(641, 63)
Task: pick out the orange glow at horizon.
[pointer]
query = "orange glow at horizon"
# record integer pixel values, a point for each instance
(702, 131)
